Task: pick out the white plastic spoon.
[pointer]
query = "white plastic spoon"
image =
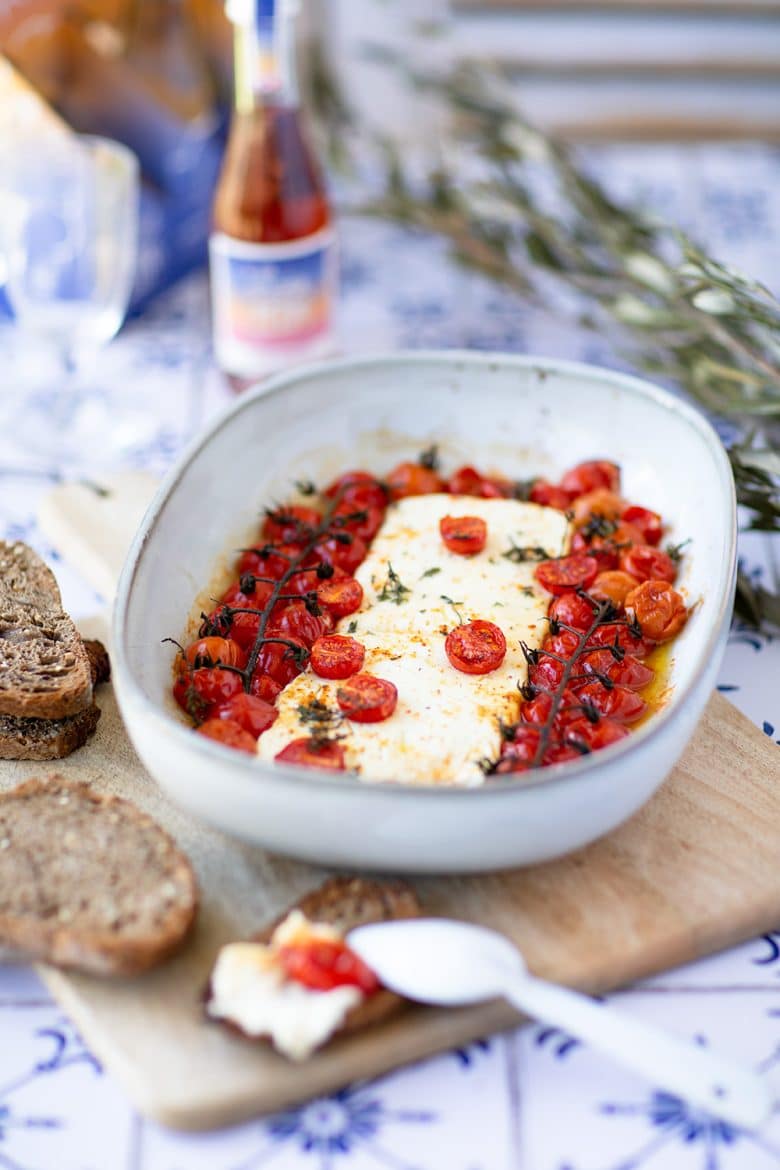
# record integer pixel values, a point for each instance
(442, 961)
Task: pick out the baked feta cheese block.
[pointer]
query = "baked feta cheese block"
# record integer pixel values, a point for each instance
(415, 592)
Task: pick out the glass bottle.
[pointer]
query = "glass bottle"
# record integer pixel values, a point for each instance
(272, 248)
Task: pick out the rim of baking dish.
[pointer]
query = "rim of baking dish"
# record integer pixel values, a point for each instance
(254, 769)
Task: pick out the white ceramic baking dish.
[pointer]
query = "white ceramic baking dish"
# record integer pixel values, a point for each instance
(519, 415)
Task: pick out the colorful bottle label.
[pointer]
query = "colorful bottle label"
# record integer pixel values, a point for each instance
(272, 303)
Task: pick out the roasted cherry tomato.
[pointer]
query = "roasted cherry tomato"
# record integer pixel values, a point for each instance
(340, 595)
(410, 479)
(538, 710)
(613, 585)
(618, 703)
(252, 713)
(290, 524)
(646, 563)
(659, 610)
(568, 573)
(467, 481)
(255, 598)
(546, 673)
(649, 523)
(215, 652)
(291, 619)
(628, 672)
(607, 547)
(476, 647)
(313, 753)
(465, 535)
(594, 736)
(367, 699)
(270, 562)
(614, 633)
(561, 753)
(323, 965)
(197, 691)
(518, 753)
(586, 477)
(572, 610)
(342, 551)
(229, 733)
(358, 488)
(265, 687)
(364, 522)
(564, 643)
(281, 661)
(601, 502)
(550, 495)
(337, 656)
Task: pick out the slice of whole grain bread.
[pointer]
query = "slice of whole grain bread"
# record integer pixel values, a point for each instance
(53, 739)
(44, 668)
(46, 739)
(345, 903)
(90, 882)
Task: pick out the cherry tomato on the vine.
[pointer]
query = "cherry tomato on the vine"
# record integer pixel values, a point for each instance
(251, 712)
(586, 477)
(290, 524)
(345, 554)
(616, 702)
(550, 495)
(628, 672)
(197, 691)
(411, 479)
(211, 651)
(649, 523)
(614, 633)
(601, 502)
(572, 610)
(594, 736)
(360, 489)
(646, 563)
(613, 585)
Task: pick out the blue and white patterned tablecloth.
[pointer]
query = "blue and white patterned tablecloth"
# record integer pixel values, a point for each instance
(532, 1100)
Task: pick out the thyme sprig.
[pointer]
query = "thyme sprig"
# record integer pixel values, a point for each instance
(518, 207)
(393, 589)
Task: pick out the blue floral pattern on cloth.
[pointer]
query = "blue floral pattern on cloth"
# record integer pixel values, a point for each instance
(536, 1099)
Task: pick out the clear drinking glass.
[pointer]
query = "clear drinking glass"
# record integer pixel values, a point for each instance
(69, 241)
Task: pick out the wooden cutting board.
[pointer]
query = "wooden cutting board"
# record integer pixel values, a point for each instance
(696, 870)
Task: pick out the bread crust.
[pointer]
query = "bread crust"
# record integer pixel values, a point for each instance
(46, 739)
(346, 903)
(54, 934)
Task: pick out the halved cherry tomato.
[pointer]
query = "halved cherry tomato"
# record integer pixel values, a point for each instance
(594, 736)
(568, 573)
(601, 502)
(360, 489)
(646, 563)
(248, 711)
(629, 672)
(290, 524)
(410, 479)
(323, 964)
(618, 703)
(465, 535)
(337, 656)
(586, 477)
(229, 733)
(467, 481)
(265, 687)
(367, 699)
(197, 691)
(215, 652)
(649, 523)
(626, 639)
(476, 647)
(550, 495)
(341, 595)
(613, 585)
(313, 753)
(659, 610)
(572, 610)
(343, 551)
